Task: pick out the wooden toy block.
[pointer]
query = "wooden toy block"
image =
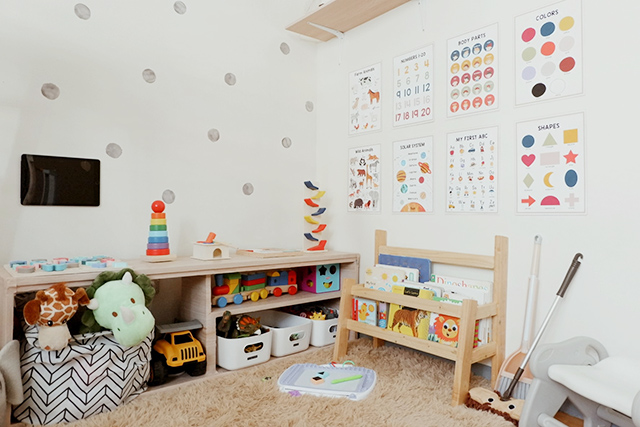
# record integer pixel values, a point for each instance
(210, 251)
(319, 212)
(311, 203)
(310, 186)
(321, 278)
(320, 228)
(310, 220)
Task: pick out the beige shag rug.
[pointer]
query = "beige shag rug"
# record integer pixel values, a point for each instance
(413, 389)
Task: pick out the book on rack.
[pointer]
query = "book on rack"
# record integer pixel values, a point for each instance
(423, 265)
(408, 320)
(365, 310)
(383, 277)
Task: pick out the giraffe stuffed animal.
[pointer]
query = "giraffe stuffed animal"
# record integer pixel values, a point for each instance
(51, 310)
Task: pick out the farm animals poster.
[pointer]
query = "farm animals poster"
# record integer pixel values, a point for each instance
(364, 179)
(412, 175)
(413, 87)
(364, 100)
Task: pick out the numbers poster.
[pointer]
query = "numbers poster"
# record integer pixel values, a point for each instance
(473, 72)
(413, 176)
(549, 52)
(413, 85)
(551, 159)
(472, 171)
(364, 100)
(364, 179)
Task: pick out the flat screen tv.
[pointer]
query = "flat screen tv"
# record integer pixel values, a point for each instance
(59, 181)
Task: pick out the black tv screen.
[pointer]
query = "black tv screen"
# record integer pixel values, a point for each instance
(59, 181)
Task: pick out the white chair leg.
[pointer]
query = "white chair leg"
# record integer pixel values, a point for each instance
(543, 398)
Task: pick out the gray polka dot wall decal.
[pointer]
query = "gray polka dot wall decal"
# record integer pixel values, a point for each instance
(168, 196)
(284, 48)
(213, 134)
(149, 76)
(247, 189)
(180, 7)
(230, 79)
(113, 150)
(309, 106)
(286, 142)
(50, 91)
(82, 11)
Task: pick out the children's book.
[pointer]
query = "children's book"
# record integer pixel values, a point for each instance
(422, 264)
(407, 320)
(365, 310)
(383, 314)
(383, 277)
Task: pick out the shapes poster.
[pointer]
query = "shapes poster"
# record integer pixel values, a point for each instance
(472, 183)
(551, 159)
(412, 175)
(413, 86)
(473, 72)
(364, 100)
(549, 52)
(364, 179)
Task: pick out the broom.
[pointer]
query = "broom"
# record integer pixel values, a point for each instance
(504, 405)
(510, 365)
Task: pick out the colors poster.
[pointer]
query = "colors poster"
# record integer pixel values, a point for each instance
(551, 159)
(364, 100)
(549, 52)
(413, 87)
(364, 179)
(473, 72)
(472, 171)
(413, 175)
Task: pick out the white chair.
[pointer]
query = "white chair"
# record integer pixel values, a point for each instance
(604, 389)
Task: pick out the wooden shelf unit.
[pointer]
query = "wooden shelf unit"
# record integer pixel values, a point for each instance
(342, 16)
(464, 355)
(196, 278)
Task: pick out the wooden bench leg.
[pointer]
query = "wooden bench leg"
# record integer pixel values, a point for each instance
(462, 373)
(342, 334)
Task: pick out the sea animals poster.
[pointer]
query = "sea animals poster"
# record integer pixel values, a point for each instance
(549, 52)
(413, 175)
(413, 87)
(364, 100)
(551, 159)
(472, 183)
(473, 72)
(364, 179)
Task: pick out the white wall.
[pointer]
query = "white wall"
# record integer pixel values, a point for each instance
(161, 127)
(603, 299)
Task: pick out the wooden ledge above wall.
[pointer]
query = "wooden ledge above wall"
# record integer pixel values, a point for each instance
(341, 16)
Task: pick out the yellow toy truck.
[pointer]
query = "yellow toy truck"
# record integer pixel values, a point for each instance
(176, 351)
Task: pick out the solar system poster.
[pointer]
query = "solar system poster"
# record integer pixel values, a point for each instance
(549, 52)
(413, 176)
(413, 87)
(473, 72)
(551, 159)
(364, 100)
(472, 182)
(364, 179)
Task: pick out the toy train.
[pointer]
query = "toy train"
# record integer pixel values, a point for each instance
(239, 287)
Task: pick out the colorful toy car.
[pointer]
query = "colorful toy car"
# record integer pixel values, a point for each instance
(177, 350)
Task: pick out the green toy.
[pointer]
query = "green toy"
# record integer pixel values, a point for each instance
(119, 302)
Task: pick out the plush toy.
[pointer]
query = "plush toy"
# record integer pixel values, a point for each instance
(10, 379)
(239, 326)
(119, 303)
(51, 310)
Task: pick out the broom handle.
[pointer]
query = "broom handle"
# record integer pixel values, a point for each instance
(532, 295)
(559, 295)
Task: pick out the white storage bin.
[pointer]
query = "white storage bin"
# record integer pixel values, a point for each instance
(291, 333)
(237, 353)
(323, 332)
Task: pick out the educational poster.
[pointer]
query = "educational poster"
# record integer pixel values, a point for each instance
(549, 52)
(413, 75)
(551, 159)
(364, 179)
(472, 184)
(413, 175)
(473, 72)
(364, 100)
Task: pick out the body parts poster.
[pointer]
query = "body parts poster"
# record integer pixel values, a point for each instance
(473, 171)
(551, 159)
(549, 52)
(364, 179)
(413, 177)
(473, 72)
(364, 100)
(413, 75)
